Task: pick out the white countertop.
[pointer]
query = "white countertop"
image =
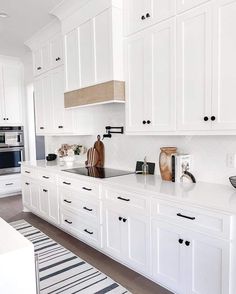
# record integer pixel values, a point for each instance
(11, 239)
(207, 195)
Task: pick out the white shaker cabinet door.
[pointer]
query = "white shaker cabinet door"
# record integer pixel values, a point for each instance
(34, 196)
(87, 58)
(224, 65)
(140, 14)
(62, 118)
(167, 256)
(194, 67)
(53, 202)
(39, 106)
(208, 265)
(137, 240)
(37, 62)
(160, 86)
(113, 237)
(44, 201)
(56, 47)
(72, 62)
(46, 57)
(12, 79)
(136, 73)
(26, 192)
(183, 5)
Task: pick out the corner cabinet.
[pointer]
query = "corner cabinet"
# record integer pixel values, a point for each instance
(11, 86)
(150, 79)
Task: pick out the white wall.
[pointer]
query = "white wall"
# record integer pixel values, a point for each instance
(121, 151)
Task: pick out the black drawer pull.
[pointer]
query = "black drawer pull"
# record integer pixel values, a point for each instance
(46, 177)
(86, 208)
(9, 184)
(44, 190)
(124, 199)
(27, 184)
(60, 127)
(39, 68)
(86, 231)
(67, 201)
(27, 172)
(86, 189)
(66, 183)
(185, 216)
(41, 128)
(58, 58)
(68, 222)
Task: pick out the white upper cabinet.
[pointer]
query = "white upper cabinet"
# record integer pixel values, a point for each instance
(183, 5)
(87, 56)
(93, 48)
(140, 14)
(11, 83)
(150, 79)
(56, 47)
(194, 50)
(224, 65)
(72, 60)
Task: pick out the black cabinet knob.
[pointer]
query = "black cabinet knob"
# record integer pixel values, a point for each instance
(187, 243)
(120, 218)
(124, 220)
(144, 122)
(7, 118)
(143, 17)
(148, 122)
(41, 128)
(58, 58)
(206, 118)
(4, 118)
(148, 15)
(60, 127)
(213, 118)
(181, 241)
(39, 68)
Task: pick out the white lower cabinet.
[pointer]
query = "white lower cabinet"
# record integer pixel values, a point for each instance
(126, 237)
(188, 262)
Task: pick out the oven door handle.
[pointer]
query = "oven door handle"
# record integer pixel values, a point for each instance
(11, 149)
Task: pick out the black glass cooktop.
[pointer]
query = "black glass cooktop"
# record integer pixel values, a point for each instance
(98, 172)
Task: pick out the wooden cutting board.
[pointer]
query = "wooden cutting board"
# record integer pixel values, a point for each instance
(92, 157)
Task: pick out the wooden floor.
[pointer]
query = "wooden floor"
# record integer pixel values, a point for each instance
(11, 210)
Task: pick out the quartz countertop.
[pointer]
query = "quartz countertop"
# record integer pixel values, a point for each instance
(202, 194)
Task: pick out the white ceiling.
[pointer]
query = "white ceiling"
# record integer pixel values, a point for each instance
(25, 18)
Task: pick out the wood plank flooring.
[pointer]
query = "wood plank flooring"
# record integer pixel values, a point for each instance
(11, 210)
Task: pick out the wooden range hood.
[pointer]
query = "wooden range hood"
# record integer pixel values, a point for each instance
(108, 92)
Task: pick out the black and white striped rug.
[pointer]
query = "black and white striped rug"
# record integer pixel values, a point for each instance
(61, 271)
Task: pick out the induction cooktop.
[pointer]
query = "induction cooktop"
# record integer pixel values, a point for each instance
(98, 172)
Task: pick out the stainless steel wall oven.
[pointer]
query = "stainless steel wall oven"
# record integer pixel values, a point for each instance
(11, 149)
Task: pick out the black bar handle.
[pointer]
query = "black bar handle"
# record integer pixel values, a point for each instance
(86, 208)
(124, 199)
(66, 183)
(9, 184)
(27, 184)
(44, 190)
(68, 222)
(27, 172)
(46, 177)
(86, 189)
(86, 231)
(67, 201)
(185, 216)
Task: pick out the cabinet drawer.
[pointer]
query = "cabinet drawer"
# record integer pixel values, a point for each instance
(202, 220)
(85, 187)
(8, 184)
(127, 199)
(84, 207)
(80, 227)
(28, 171)
(46, 176)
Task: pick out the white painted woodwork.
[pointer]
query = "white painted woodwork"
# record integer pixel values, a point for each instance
(56, 47)
(150, 86)
(194, 49)
(72, 61)
(140, 14)
(183, 5)
(224, 65)
(10, 185)
(87, 57)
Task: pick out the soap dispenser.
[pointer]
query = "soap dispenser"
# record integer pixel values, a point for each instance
(145, 170)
